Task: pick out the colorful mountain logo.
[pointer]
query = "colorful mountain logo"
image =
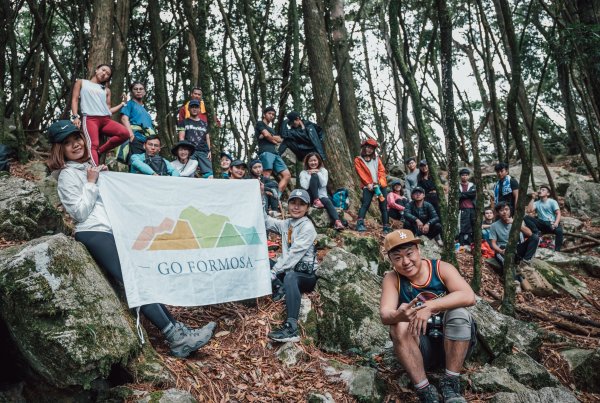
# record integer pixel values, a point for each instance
(195, 230)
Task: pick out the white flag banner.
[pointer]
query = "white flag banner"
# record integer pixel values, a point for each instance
(187, 242)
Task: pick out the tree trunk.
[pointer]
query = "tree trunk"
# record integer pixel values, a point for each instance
(101, 31)
(15, 83)
(345, 81)
(159, 72)
(295, 80)
(376, 115)
(451, 217)
(194, 62)
(256, 55)
(505, 23)
(120, 61)
(339, 162)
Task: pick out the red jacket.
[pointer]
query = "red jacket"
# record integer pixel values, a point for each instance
(365, 175)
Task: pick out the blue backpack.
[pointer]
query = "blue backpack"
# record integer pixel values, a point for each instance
(340, 198)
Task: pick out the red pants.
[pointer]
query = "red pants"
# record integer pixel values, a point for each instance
(94, 125)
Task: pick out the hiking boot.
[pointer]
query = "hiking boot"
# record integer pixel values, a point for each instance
(279, 294)
(184, 341)
(285, 333)
(360, 225)
(338, 225)
(387, 229)
(450, 387)
(428, 395)
(318, 204)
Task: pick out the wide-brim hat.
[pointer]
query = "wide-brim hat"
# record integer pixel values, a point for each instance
(183, 143)
(399, 237)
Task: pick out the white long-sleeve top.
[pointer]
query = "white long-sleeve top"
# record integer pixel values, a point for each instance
(81, 199)
(302, 241)
(189, 169)
(323, 177)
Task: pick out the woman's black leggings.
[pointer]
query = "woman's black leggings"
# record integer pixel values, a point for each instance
(313, 191)
(367, 196)
(103, 249)
(295, 284)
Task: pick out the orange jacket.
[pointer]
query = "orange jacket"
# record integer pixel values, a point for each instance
(365, 175)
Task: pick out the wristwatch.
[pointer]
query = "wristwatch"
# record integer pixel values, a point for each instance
(73, 117)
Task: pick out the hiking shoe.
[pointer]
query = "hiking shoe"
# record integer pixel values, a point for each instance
(387, 229)
(338, 225)
(318, 204)
(184, 341)
(450, 387)
(360, 225)
(279, 294)
(285, 334)
(428, 395)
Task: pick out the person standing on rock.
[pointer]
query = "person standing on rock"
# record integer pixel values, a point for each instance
(548, 214)
(371, 172)
(79, 194)
(93, 96)
(297, 265)
(423, 301)
(411, 178)
(466, 204)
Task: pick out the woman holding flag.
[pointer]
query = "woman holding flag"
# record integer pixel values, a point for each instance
(71, 163)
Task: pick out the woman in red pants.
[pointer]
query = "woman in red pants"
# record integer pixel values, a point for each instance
(96, 110)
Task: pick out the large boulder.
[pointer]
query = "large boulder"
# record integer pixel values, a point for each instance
(544, 395)
(64, 317)
(349, 293)
(25, 213)
(498, 333)
(571, 224)
(571, 261)
(493, 379)
(584, 365)
(583, 199)
(561, 177)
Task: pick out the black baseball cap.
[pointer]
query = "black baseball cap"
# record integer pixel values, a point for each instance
(417, 189)
(60, 130)
(464, 171)
(194, 102)
(422, 163)
(293, 115)
(238, 163)
(224, 154)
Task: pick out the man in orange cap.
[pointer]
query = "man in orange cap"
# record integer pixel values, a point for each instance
(373, 180)
(423, 301)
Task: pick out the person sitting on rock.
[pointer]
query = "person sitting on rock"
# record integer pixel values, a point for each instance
(271, 188)
(396, 201)
(79, 194)
(151, 163)
(314, 179)
(420, 216)
(373, 180)
(225, 163)
(184, 164)
(548, 214)
(423, 302)
(237, 170)
(297, 265)
(499, 231)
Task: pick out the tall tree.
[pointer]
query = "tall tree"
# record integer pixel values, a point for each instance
(119, 44)
(101, 32)
(451, 219)
(326, 105)
(345, 80)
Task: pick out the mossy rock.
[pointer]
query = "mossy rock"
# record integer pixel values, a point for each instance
(62, 314)
(369, 248)
(350, 294)
(562, 281)
(584, 365)
(25, 213)
(526, 370)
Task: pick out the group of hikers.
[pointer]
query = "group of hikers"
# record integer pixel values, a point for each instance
(423, 301)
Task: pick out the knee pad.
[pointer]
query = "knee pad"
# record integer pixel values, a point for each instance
(457, 324)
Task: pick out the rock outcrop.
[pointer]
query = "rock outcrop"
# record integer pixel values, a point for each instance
(583, 199)
(361, 382)
(350, 294)
(584, 365)
(25, 213)
(65, 318)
